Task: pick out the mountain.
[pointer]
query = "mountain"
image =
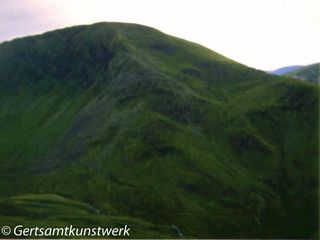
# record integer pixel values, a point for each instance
(112, 124)
(284, 70)
(309, 73)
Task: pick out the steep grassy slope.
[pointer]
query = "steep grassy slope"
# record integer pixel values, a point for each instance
(144, 126)
(309, 73)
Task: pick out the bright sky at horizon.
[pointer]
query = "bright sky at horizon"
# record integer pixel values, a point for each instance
(264, 34)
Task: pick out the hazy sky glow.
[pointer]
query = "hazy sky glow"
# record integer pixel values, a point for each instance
(264, 34)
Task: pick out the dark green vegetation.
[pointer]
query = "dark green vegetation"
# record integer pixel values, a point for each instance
(309, 73)
(120, 123)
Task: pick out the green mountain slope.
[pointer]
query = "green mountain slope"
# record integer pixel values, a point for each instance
(156, 130)
(309, 73)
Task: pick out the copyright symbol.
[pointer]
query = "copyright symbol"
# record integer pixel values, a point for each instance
(6, 230)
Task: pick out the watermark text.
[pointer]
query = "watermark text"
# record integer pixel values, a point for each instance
(69, 231)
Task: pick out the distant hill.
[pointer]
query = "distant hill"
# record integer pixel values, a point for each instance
(111, 124)
(309, 73)
(284, 70)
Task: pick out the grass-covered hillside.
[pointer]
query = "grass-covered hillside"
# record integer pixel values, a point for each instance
(119, 123)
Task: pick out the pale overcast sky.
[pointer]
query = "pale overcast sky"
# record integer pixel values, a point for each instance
(264, 34)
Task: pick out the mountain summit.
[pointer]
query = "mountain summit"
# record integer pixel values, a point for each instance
(121, 124)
